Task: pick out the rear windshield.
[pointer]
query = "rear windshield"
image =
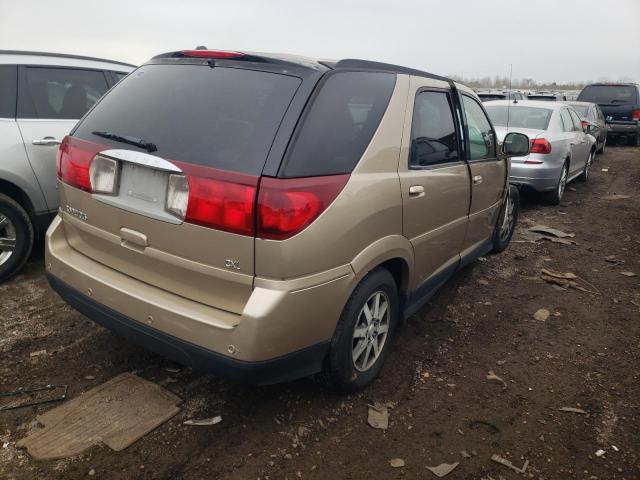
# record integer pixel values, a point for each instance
(583, 110)
(339, 124)
(611, 94)
(489, 97)
(542, 97)
(219, 117)
(519, 117)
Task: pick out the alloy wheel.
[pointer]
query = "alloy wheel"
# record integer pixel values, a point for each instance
(563, 182)
(7, 239)
(371, 331)
(507, 220)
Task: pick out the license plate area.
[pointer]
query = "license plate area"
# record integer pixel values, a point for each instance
(142, 190)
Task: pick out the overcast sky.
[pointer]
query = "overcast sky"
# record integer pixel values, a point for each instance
(549, 40)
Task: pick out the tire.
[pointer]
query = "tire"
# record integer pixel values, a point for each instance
(634, 140)
(555, 197)
(584, 176)
(16, 237)
(341, 372)
(509, 212)
(604, 144)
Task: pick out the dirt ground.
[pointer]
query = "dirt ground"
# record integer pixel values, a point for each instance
(585, 355)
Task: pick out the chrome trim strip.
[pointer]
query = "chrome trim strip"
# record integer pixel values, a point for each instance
(140, 158)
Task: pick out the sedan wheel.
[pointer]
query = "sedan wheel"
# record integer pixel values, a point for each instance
(562, 184)
(7, 239)
(584, 176)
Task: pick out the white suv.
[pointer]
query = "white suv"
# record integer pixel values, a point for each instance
(42, 96)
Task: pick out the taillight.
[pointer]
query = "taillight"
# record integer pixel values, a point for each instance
(211, 54)
(215, 198)
(540, 145)
(286, 206)
(585, 124)
(74, 161)
(635, 115)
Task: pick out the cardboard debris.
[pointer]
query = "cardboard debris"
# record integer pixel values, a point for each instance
(508, 464)
(443, 469)
(116, 413)
(379, 415)
(554, 232)
(573, 410)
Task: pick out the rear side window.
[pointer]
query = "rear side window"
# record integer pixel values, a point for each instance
(577, 123)
(567, 121)
(338, 126)
(224, 118)
(8, 79)
(60, 93)
(433, 133)
(609, 94)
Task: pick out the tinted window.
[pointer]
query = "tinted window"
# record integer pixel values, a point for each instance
(433, 134)
(544, 98)
(8, 79)
(224, 118)
(567, 121)
(609, 94)
(60, 93)
(339, 124)
(519, 117)
(481, 140)
(491, 96)
(577, 123)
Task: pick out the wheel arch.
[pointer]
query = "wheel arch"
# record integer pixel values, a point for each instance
(19, 195)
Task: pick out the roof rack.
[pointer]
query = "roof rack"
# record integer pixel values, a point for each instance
(387, 67)
(63, 55)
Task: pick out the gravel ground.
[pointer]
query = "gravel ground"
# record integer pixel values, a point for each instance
(584, 355)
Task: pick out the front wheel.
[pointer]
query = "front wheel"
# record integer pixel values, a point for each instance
(507, 220)
(16, 237)
(361, 341)
(584, 176)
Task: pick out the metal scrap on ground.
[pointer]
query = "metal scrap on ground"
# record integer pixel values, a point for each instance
(116, 413)
(204, 421)
(573, 410)
(508, 464)
(495, 378)
(566, 280)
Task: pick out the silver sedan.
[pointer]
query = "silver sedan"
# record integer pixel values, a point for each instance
(560, 149)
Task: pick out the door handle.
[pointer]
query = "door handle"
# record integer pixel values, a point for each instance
(477, 180)
(47, 141)
(416, 190)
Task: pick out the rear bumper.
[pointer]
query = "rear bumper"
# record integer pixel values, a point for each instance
(288, 367)
(624, 128)
(282, 333)
(539, 177)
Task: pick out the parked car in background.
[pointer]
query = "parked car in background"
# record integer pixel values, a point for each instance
(43, 96)
(620, 104)
(488, 95)
(547, 96)
(593, 122)
(274, 217)
(560, 148)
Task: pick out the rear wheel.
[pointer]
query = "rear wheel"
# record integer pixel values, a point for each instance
(604, 144)
(361, 341)
(555, 196)
(507, 220)
(584, 176)
(16, 237)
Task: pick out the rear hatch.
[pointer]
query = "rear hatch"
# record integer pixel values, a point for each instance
(617, 102)
(169, 127)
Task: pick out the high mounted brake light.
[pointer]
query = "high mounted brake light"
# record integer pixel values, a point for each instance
(221, 54)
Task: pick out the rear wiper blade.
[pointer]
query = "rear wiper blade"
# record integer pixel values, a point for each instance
(136, 142)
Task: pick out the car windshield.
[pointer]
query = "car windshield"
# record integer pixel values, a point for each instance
(224, 118)
(609, 94)
(519, 117)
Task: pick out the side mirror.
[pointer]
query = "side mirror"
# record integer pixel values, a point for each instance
(515, 145)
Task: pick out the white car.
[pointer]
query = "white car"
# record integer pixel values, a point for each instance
(43, 96)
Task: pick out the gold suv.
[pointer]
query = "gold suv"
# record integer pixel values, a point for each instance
(273, 217)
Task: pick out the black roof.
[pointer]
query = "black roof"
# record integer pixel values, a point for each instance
(63, 55)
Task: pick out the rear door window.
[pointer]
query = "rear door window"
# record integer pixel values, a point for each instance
(339, 124)
(433, 134)
(224, 118)
(59, 93)
(577, 123)
(567, 121)
(482, 143)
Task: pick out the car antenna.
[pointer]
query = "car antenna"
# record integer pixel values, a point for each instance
(509, 103)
